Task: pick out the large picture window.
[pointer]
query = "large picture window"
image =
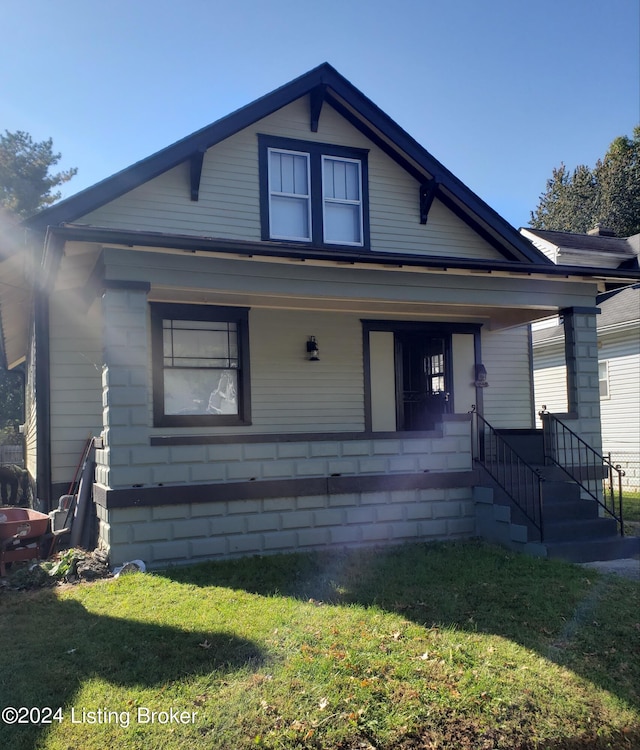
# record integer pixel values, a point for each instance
(200, 365)
(313, 192)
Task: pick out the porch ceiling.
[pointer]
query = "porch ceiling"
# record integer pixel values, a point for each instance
(491, 317)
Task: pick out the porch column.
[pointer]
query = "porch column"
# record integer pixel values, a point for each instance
(125, 399)
(581, 353)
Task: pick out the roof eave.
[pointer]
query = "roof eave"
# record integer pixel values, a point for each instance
(191, 243)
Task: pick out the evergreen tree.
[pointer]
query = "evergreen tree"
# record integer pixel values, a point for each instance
(608, 194)
(26, 183)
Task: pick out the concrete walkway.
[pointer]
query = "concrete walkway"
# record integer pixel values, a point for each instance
(628, 567)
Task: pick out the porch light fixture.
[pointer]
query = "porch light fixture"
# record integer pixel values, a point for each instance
(481, 376)
(312, 349)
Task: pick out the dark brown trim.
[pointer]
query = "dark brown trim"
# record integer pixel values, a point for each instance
(237, 315)
(300, 251)
(477, 360)
(43, 398)
(195, 172)
(316, 100)
(580, 311)
(299, 437)
(315, 151)
(417, 326)
(427, 195)
(126, 285)
(259, 490)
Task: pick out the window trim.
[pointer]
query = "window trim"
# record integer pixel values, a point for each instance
(209, 313)
(297, 196)
(342, 201)
(315, 151)
(606, 380)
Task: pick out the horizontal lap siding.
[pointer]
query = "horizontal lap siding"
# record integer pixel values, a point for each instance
(76, 383)
(229, 200)
(507, 399)
(550, 379)
(291, 392)
(621, 411)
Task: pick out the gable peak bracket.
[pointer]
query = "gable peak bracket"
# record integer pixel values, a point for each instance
(316, 100)
(427, 194)
(195, 172)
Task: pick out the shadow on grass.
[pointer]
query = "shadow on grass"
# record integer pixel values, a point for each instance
(546, 606)
(123, 652)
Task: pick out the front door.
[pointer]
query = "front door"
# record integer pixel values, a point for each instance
(422, 379)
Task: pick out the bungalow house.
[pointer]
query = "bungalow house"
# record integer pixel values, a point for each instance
(279, 329)
(618, 328)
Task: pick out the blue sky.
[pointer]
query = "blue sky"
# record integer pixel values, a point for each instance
(500, 91)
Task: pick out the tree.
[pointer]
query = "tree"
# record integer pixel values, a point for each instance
(25, 181)
(608, 194)
(11, 405)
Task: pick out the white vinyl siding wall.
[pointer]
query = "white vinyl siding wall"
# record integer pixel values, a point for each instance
(550, 379)
(620, 412)
(76, 382)
(229, 201)
(507, 399)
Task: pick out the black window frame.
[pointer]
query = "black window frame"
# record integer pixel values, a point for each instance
(161, 311)
(316, 151)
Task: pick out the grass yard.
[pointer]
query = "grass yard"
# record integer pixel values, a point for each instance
(631, 505)
(454, 646)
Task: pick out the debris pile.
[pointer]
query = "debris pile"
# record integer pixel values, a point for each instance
(71, 566)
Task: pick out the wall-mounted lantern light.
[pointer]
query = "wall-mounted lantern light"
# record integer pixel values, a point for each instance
(312, 349)
(481, 376)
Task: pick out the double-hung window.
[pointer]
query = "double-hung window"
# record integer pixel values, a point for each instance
(289, 195)
(342, 197)
(313, 192)
(200, 365)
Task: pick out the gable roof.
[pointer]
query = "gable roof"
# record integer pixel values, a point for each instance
(322, 84)
(620, 248)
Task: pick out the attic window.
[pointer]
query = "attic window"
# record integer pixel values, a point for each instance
(313, 192)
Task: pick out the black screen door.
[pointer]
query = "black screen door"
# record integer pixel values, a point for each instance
(422, 379)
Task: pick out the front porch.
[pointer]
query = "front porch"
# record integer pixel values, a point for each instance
(292, 492)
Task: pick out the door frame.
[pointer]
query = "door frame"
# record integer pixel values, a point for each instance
(429, 328)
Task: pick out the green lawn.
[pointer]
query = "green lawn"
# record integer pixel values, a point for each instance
(631, 505)
(422, 646)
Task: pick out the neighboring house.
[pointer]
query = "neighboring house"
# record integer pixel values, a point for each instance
(278, 327)
(618, 328)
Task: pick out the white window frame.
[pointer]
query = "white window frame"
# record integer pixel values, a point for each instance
(294, 196)
(605, 379)
(340, 201)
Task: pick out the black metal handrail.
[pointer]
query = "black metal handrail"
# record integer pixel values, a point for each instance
(594, 473)
(521, 481)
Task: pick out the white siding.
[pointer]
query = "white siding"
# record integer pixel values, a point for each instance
(550, 379)
(76, 382)
(621, 411)
(229, 202)
(507, 399)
